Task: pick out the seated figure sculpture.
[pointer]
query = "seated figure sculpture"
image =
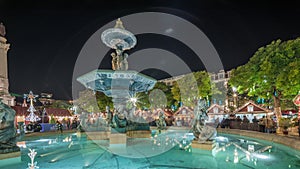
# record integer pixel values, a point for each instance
(7, 130)
(201, 131)
(160, 122)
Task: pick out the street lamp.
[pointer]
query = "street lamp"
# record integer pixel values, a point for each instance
(234, 89)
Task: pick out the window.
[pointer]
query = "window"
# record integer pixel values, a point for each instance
(216, 110)
(184, 111)
(250, 108)
(221, 76)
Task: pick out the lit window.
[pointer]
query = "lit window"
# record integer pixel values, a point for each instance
(216, 110)
(250, 108)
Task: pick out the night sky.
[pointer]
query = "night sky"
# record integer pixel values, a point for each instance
(46, 37)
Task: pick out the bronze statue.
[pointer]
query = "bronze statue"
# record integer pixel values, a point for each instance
(7, 129)
(160, 122)
(201, 131)
(119, 60)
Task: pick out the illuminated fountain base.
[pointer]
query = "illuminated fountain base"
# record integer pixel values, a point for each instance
(208, 145)
(98, 135)
(139, 134)
(117, 143)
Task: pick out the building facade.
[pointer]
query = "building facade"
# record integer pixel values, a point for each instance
(4, 84)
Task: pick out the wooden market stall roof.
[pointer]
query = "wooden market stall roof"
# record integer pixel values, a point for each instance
(57, 112)
(216, 109)
(184, 111)
(22, 111)
(251, 107)
(168, 113)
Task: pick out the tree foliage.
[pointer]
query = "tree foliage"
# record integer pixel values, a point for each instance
(194, 86)
(159, 97)
(271, 73)
(61, 104)
(87, 101)
(103, 101)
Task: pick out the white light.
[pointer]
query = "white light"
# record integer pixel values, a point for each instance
(133, 99)
(236, 156)
(234, 89)
(220, 138)
(261, 156)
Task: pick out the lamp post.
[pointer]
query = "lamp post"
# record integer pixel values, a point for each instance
(234, 89)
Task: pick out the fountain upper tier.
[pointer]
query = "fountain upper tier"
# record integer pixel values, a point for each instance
(117, 84)
(118, 37)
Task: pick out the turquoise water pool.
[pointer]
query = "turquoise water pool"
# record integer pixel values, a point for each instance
(168, 150)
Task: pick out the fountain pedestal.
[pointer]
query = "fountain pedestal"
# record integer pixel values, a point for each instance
(139, 134)
(97, 135)
(208, 145)
(118, 143)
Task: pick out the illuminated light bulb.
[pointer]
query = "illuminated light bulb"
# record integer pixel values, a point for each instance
(227, 158)
(236, 156)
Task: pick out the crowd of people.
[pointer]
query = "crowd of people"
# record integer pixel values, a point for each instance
(265, 124)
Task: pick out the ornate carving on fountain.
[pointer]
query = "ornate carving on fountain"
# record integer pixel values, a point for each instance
(7, 130)
(201, 131)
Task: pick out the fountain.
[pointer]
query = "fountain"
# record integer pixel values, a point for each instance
(9, 151)
(121, 84)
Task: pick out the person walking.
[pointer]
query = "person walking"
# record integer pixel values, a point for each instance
(59, 126)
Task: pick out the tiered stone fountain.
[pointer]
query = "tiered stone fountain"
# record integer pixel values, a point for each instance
(122, 85)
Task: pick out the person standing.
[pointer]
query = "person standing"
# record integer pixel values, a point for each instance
(261, 124)
(68, 124)
(59, 126)
(268, 124)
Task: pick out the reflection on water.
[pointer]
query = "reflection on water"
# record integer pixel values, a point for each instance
(174, 151)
